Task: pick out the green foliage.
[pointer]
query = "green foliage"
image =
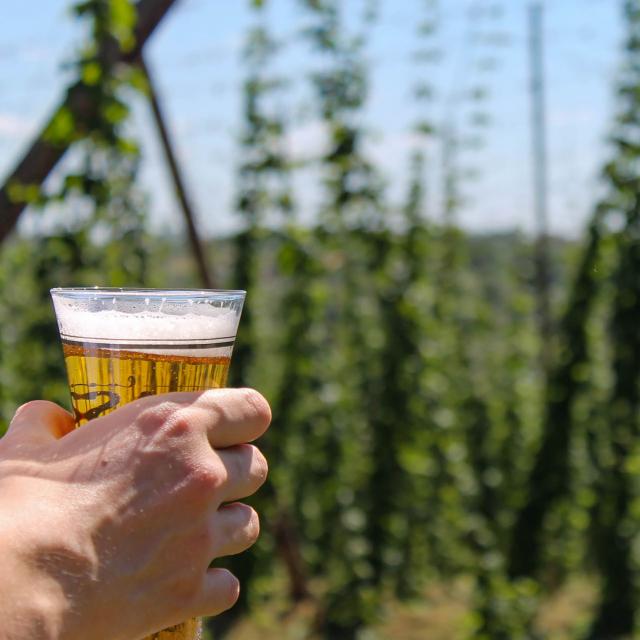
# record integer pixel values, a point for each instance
(409, 401)
(31, 364)
(615, 521)
(101, 239)
(263, 191)
(550, 474)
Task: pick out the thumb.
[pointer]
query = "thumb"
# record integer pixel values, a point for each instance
(40, 422)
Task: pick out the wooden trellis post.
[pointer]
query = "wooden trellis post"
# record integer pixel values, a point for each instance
(43, 155)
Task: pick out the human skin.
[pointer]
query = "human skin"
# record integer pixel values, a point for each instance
(108, 531)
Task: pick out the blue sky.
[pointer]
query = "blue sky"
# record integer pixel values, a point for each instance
(196, 59)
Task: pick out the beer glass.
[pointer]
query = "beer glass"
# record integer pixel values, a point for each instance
(124, 344)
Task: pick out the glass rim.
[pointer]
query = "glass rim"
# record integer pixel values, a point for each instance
(132, 292)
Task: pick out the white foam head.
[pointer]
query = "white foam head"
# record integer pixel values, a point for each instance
(149, 324)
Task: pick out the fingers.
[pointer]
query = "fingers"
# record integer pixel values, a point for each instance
(246, 470)
(220, 591)
(234, 416)
(40, 422)
(236, 527)
(226, 416)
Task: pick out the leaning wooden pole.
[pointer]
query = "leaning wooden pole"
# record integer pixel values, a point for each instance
(43, 154)
(178, 183)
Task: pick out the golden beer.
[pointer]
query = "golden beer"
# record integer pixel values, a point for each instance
(121, 345)
(102, 379)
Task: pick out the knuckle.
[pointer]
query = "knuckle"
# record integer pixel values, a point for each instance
(214, 405)
(185, 591)
(250, 465)
(195, 550)
(230, 590)
(260, 466)
(207, 478)
(31, 406)
(223, 592)
(36, 411)
(253, 527)
(153, 419)
(179, 424)
(260, 409)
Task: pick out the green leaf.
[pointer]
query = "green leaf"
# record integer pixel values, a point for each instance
(61, 128)
(115, 111)
(123, 17)
(137, 79)
(24, 193)
(91, 73)
(128, 146)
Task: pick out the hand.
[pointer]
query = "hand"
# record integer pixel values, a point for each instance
(108, 531)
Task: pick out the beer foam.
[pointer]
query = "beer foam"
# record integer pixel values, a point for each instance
(149, 326)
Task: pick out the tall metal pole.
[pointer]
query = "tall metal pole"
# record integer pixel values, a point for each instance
(540, 186)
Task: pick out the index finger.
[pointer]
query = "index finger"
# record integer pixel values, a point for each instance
(227, 416)
(232, 416)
